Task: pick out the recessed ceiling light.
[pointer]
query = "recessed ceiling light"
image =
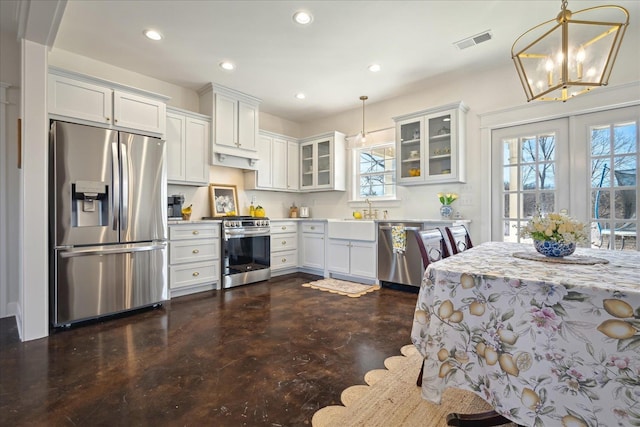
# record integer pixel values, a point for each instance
(374, 68)
(301, 95)
(227, 65)
(302, 17)
(152, 34)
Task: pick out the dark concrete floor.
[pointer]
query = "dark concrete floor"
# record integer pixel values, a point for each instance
(266, 354)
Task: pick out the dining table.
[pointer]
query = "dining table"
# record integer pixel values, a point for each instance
(545, 341)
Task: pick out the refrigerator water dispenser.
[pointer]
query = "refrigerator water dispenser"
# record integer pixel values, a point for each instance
(90, 205)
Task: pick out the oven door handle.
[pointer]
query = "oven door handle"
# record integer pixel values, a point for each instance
(237, 234)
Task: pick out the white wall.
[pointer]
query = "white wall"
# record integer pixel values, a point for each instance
(33, 311)
(180, 97)
(10, 175)
(483, 91)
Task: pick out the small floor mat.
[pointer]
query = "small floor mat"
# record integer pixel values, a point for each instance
(342, 287)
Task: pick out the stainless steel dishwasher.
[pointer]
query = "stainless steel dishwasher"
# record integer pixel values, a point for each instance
(404, 268)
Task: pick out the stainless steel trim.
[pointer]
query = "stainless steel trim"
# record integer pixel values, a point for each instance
(107, 250)
(115, 186)
(389, 227)
(231, 280)
(238, 233)
(124, 168)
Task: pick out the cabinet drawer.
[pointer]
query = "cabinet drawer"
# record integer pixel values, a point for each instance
(193, 231)
(280, 242)
(284, 227)
(193, 274)
(313, 227)
(286, 259)
(193, 250)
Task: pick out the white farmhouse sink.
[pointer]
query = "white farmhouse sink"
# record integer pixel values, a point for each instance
(352, 229)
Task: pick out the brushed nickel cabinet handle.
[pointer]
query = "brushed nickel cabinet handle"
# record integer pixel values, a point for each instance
(107, 118)
(284, 227)
(284, 260)
(195, 251)
(284, 242)
(196, 274)
(196, 232)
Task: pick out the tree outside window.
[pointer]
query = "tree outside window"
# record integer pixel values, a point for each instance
(375, 169)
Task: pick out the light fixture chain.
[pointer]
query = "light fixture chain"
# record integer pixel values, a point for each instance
(565, 4)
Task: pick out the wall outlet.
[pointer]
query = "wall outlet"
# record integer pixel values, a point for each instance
(465, 200)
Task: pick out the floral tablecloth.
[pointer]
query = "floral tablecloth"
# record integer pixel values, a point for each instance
(545, 344)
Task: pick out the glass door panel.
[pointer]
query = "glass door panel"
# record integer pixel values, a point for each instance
(324, 163)
(307, 165)
(525, 157)
(439, 145)
(614, 166)
(410, 149)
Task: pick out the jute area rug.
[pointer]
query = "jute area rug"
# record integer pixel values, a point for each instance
(342, 287)
(392, 399)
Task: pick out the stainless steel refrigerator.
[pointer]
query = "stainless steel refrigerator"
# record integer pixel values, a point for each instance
(108, 222)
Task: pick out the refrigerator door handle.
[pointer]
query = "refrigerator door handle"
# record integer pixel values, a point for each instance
(114, 250)
(124, 167)
(115, 187)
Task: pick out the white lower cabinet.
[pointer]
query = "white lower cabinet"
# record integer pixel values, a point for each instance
(284, 247)
(194, 257)
(312, 238)
(352, 258)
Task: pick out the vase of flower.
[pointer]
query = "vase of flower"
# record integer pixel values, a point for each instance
(554, 249)
(555, 234)
(446, 211)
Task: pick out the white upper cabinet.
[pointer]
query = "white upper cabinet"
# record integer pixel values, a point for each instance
(278, 166)
(188, 137)
(235, 122)
(293, 166)
(323, 162)
(138, 112)
(430, 145)
(87, 100)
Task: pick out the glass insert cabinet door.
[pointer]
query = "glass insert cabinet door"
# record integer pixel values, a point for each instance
(307, 166)
(439, 145)
(316, 164)
(410, 133)
(430, 145)
(324, 163)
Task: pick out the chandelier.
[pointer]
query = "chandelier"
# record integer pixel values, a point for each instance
(571, 54)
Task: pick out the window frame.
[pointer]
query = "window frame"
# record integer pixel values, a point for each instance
(356, 173)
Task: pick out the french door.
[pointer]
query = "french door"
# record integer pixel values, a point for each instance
(584, 164)
(609, 142)
(529, 174)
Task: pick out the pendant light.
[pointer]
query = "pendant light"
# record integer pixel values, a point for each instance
(571, 54)
(360, 139)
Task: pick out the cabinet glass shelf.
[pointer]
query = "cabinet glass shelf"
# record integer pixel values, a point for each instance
(410, 141)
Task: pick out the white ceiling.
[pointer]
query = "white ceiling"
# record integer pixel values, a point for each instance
(413, 41)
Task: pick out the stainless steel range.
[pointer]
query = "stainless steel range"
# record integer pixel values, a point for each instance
(246, 250)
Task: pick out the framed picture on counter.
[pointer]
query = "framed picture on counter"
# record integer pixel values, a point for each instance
(223, 199)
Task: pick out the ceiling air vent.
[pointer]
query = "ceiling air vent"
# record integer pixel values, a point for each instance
(474, 40)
